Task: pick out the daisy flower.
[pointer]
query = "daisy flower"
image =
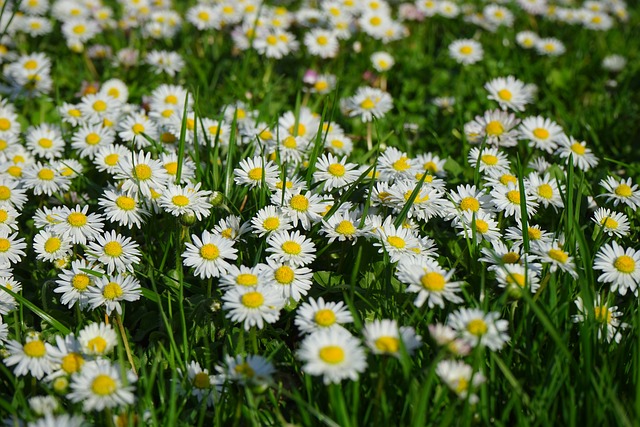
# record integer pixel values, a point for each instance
(178, 200)
(466, 198)
(162, 61)
(137, 128)
(499, 255)
(89, 139)
(334, 172)
(496, 127)
(396, 241)
(554, 254)
(208, 254)
(343, 226)
(537, 236)
(116, 252)
(11, 248)
(67, 354)
(382, 61)
(305, 209)
(545, 190)
(623, 191)
(108, 158)
(11, 193)
(466, 51)
(73, 283)
(51, 420)
(384, 337)
(44, 406)
(252, 172)
(333, 353)
(101, 385)
(614, 63)
(549, 47)
(270, 219)
(8, 302)
(77, 225)
(244, 276)
(431, 163)
(394, 165)
(8, 216)
(479, 328)
(509, 92)
(291, 247)
(507, 199)
(4, 332)
(482, 224)
(44, 179)
(95, 108)
(50, 247)
(515, 278)
(606, 318)
(460, 378)
(611, 222)
(541, 133)
(141, 173)
(231, 228)
(446, 337)
(316, 315)
(368, 103)
(431, 282)
(527, 39)
(498, 15)
(582, 156)
(250, 369)
(110, 290)
(97, 339)
(45, 141)
(427, 204)
(33, 357)
(202, 385)
(253, 305)
(292, 282)
(321, 43)
(620, 267)
(123, 208)
(489, 159)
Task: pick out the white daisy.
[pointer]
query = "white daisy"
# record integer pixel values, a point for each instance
(123, 208)
(77, 225)
(251, 370)
(542, 133)
(479, 328)
(33, 357)
(466, 51)
(74, 283)
(101, 385)
(554, 254)
(316, 315)
(270, 219)
(11, 248)
(620, 267)
(116, 252)
(368, 103)
(611, 222)
(187, 200)
(509, 92)
(109, 291)
(622, 191)
(253, 305)
(431, 282)
(582, 156)
(208, 254)
(606, 318)
(384, 337)
(50, 247)
(291, 247)
(292, 282)
(97, 339)
(460, 378)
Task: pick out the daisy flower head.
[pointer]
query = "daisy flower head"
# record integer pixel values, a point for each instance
(396, 241)
(536, 235)
(431, 282)
(270, 219)
(515, 278)
(498, 15)
(68, 356)
(545, 190)
(188, 200)
(116, 252)
(293, 248)
(115, 88)
(123, 208)
(427, 204)
(100, 384)
(555, 255)
(611, 222)
(550, 47)
(137, 128)
(507, 199)
(479, 328)
(73, 283)
(322, 83)
(322, 43)
(343, 226)
(44, 179)
(333, 353)
(543, 134)
(292, 282)
(335, 173)
(110, 291)
(394, 165)
(621, 192)
(7, 302)
(247, 370)
(316, 315)
(368, 103)
(8, 216)
(49, 247)
(209, 254)
(460, 378)
(108, 158)
(97, 107)
(620, 267)
(431, 163)
(606, 318)
(384, 337)
(97, 339)
(162, 61)
(231, 228)
(45, 141)
(11, 248)
(141, 173)
(466, 51)
(244, 276)
(304, 208)
(509, 92)
(12, 193)
(275, 43)
(254, 306)
(446, 337)
(614, 63)
(466, 198)
(253, 172)
(527, 39)
(583, 157)
(382, 61)
(497, 127)
(202, 385)
(481, 224)
(33, 357)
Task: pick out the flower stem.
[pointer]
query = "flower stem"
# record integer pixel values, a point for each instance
(125, 340)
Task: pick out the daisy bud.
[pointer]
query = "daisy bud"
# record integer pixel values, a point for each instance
(216, 198)
(188, 219)
(60, 385)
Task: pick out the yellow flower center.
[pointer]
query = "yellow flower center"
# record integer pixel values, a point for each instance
(433, 281)
(74, 112)
(5, 192)
(388, 344)
(252, 299)
(112, 291)
(558, 255)
(171, 99)
(52, 244)
(402, 164)
(609, 222)
(126, 203)
(578, 148)
(477, 327)
(292, 248)
(201, 381)
(321, 85)
(541, 133)
(72, 363)
(546, 191)
(79, 29)
(367, 104)
(209, 252)
(510, 257)
(171, 168)
(336, 143)
(180, 200)
(113, 248)
(3, 216)
(375, 21)
(15, 171)
(331, 354)
(256, 174)
(396, 242)
(142, 172)
(31, 65)
(99, 106)
(137, 128)
(111, 159)
(271, 223)
(290, 142)
(247, 279)
(346, 228)
(113, 92)
(494, 128)
(245, 369)
(623, 190)
(482, 226)
(5, 245)
(336, 169)
(35, 349)
(80, 282)
(602, 314)
(299, 203)
(463, 385)
(46, 174)
(284, 275)
(203, 16)
(77, 219)
(534, 233)
(322, 40)
(466, 50)
(104, 385)
(513, 196)
(97, 345)
(45, 142)
(325, 317)
(489, 159)
(517, 279)
(505, 94)
(470, 204)
(5, 124)
(625, 264)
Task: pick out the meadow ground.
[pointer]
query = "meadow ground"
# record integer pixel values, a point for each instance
(333, 212)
